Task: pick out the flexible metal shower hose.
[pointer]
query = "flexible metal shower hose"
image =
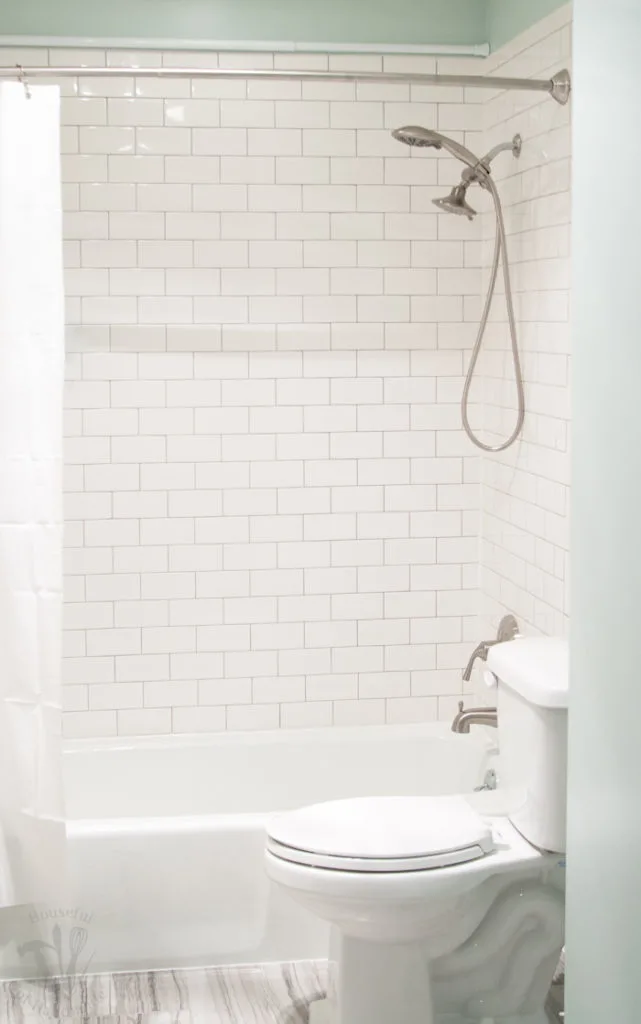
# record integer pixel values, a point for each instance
(500, 247)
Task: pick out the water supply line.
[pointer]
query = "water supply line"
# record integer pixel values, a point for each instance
(500, 250)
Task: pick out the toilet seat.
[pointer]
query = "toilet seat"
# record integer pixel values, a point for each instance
(381, 834)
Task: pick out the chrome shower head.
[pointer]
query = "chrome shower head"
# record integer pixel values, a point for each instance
(415, 135)
(456, 202)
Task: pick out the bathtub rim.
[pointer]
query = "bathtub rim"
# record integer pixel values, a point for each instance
(482, 738)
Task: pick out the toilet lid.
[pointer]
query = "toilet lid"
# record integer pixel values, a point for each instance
(381, 834)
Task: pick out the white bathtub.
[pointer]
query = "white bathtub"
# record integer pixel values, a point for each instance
(166, 836)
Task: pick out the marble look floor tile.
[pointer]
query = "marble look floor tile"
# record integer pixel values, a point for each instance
(260, 994)
(251, 995)
(56, 998)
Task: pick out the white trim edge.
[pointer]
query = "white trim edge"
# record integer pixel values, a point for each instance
(246, 46)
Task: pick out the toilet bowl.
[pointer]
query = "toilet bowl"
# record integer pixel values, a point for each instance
(442, 911)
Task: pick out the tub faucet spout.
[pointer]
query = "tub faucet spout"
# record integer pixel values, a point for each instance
(473, 716)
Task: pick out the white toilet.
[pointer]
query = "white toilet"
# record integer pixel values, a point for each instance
(446, 910)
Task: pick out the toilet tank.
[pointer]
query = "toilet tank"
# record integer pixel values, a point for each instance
(532, 679)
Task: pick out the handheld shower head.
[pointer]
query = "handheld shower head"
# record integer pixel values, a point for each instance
(415, 135)
(456, 202)
(477, 171)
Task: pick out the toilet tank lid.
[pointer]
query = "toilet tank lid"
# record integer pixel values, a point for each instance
(534, 667)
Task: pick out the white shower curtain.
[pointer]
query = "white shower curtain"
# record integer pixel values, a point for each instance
(32, 832)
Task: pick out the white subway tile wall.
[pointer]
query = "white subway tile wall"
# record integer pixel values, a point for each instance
(273, 514)
(526, 490)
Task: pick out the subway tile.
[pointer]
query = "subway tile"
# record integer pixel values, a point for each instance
(141, 614)
(165, 693)
(274, 141)
(166, 254)
(83, 110)
(357, 659)
(308, 226)
(101, 642)
(224, 691)
(410, 657)
(136, 168)
(195, 557)
(302, 114)
(107, 86)
(107, 196)
(192, 113)
(306, 714)
(402, 710)
(140, 559)
(170, 585)
(115, 696)
(191, 169)
(303, 554)
(198, 719)
(330, 198)
(248, 170)
(330, 473)
(102, 139)
(350, 494)
(272, 89)
(136, 225)
(320, 142)
(219, 141)
(163, 197)
(254, 716)
(164, 530)
(377, 685)
(144, 722)
(83, 724)
(294, 170)
(84, 167)
(246, 113)
(134, 112)
(94, 225)
(359, 712)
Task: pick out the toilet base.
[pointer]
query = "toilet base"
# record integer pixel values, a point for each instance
(378, 982)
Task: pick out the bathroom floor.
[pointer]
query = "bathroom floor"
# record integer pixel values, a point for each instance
(263, 994)
(258, 994)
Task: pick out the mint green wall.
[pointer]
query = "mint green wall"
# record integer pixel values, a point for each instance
(507, 18)
(604, 820)
(359, 21)
(338, 21)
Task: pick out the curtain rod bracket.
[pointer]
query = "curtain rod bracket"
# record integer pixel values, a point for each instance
(561, 86)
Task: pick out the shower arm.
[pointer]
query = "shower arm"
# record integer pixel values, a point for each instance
(515, 146)
(478, 174)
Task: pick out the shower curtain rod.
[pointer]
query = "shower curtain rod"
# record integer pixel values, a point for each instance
(558, 86)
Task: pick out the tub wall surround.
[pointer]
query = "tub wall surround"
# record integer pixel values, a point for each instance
(272, 510)
(526, 489)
